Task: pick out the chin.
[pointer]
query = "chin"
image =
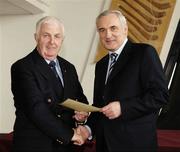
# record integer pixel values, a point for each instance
(110, 48)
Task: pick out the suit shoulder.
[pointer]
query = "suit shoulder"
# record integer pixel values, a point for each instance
(147, 53)
(65, 62)
(103, 60)
(144, 48)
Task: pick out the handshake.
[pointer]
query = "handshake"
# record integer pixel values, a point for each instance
(81, 133)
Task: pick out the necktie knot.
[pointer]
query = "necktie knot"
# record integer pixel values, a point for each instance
(52, 64)
(113, 57)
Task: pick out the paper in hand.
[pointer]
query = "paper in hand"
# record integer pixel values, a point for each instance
(79, 106)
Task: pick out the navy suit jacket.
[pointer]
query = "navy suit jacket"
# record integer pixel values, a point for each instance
(41, 123)
(137, 81)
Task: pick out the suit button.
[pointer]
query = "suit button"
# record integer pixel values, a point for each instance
(59, 116)
(59, 141)
(49, 100)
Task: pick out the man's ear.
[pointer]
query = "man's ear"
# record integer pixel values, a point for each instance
(126, 30)
(35, 36)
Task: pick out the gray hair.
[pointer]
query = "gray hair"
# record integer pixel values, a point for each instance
(49, 19)
(121, 17)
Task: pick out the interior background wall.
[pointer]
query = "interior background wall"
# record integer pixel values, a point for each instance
(0, 76)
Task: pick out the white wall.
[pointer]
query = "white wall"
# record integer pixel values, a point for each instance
(0, 76)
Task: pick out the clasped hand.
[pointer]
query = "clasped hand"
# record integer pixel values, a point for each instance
(80, 133)
(81, 116)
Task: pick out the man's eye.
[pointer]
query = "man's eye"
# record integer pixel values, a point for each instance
(113, 28)
(45, 35)
(101, 30)
(58, 36)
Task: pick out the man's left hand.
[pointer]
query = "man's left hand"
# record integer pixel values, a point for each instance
(81, 116)
(112, 110)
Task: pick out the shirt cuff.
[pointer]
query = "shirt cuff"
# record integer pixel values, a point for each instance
(90, 132)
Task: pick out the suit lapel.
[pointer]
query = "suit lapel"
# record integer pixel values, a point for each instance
(67, 76)
(122, 60)
(63, 70)
(46, 72)
(103, 70)
(41, 65)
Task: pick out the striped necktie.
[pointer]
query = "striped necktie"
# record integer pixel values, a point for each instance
(52, 65)
(113, 57)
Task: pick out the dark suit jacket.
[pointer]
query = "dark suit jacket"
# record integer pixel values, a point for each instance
(138, 82)
(41, 124)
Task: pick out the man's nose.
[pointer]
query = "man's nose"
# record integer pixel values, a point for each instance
(108, 34)
(51, 40)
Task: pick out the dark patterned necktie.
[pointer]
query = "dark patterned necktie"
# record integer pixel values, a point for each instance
(113, 57)
(52, 65)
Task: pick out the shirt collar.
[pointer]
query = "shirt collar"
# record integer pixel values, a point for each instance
(48, 61)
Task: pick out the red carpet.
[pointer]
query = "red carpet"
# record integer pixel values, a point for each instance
(168, 141)
(5, 142)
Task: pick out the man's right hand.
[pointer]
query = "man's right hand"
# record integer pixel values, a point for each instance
(81, 134)
(84, 132)
(77, 138)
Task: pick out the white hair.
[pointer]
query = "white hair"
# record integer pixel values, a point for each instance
(49, 19)
(121, 17)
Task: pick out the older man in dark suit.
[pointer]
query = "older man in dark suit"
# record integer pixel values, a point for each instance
(129, 86)
(40, 81)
